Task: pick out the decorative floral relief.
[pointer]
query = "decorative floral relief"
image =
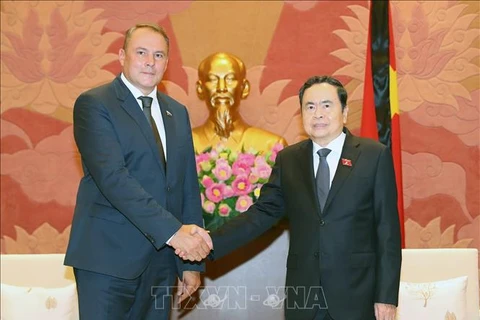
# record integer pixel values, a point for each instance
(48, 171)
(129, 13)
(425, 174)
(450, 316)
(435, 49)
(51, 52)
(432, 236)
(45, 239)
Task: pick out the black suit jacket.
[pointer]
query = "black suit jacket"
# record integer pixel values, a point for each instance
(352, 249)
(127, 205)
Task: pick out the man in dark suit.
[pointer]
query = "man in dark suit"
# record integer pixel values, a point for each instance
(339, 194)
(139, 196)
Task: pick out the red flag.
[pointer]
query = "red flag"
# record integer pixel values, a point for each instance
(380, 114)
(395, 126)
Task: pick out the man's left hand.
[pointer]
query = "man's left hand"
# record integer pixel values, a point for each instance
(385, 311)
(191, 282)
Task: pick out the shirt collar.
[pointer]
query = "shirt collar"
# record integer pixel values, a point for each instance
(135, 91)
(336, 145)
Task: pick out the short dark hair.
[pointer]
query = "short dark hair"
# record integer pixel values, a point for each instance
(342, 93)
(151, 26)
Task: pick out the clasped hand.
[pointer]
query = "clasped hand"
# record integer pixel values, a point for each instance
(192, 243)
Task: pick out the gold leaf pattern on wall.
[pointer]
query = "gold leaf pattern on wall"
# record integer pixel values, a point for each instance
(197, 109)
(472, 231)
(431, 236)
(355, 39)
(51, 52)
(45, 239)
(436, 52)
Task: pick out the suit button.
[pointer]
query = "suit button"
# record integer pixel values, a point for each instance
(316, 254)
(322, 222)
(168, 189)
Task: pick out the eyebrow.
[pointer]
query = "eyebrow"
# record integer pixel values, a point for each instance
(145, 49)
(321, 101)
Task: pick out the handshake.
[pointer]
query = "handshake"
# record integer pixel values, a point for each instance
(192, 242)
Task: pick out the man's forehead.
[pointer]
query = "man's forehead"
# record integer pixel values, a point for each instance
(221, 64)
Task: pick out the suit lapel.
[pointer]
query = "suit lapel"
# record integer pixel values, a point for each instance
(350, 152)
(130, 105)
(170, 130)
(305, 163)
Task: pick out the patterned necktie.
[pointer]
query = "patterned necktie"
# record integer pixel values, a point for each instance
(147, 110)
(323, 177)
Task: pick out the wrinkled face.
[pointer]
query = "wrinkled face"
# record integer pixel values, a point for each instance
(221, 82)
(322, 114)
(145, 59)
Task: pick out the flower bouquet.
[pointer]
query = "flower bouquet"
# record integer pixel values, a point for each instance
(230, 182)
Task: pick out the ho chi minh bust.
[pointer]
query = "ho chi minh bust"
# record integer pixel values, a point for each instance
(222, 84)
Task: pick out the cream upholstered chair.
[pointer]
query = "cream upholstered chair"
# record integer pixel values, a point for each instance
(37, 286)
(437, 270)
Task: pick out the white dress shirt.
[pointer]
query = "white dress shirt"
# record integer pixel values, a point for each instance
(336, 145)
(156, 114)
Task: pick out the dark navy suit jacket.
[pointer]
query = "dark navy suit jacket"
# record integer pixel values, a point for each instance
(127, 205)
(352, 249)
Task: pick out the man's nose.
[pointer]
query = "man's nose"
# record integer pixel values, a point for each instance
(150, 60)
(222, 87)
(319, 112)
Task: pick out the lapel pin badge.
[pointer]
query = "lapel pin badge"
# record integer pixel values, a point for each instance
(169, 113)
(346, 162)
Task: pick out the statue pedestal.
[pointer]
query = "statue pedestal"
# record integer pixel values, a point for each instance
(247, 284)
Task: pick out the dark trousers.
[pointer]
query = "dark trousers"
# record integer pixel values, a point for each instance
(322, 314)
(103, 297)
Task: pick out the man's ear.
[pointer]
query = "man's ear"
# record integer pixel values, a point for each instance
(121, 56)
(200, 92)
(246, 88)
(345, 114)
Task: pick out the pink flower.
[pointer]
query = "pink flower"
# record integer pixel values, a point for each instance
(222, 170)
(200, 159)
(214, 154)
(277, 147)
(202, 197)
(224, 210)
(208, 206)
(228, 192)
(241, 167)
(253, 177)
(249, 158)
(214, 192)
(273, 156)
(241, 185)
(260, 160)
(262, 171)
(243, 203)
(207, 181)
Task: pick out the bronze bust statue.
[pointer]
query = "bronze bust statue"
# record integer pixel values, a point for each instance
(222, 84)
